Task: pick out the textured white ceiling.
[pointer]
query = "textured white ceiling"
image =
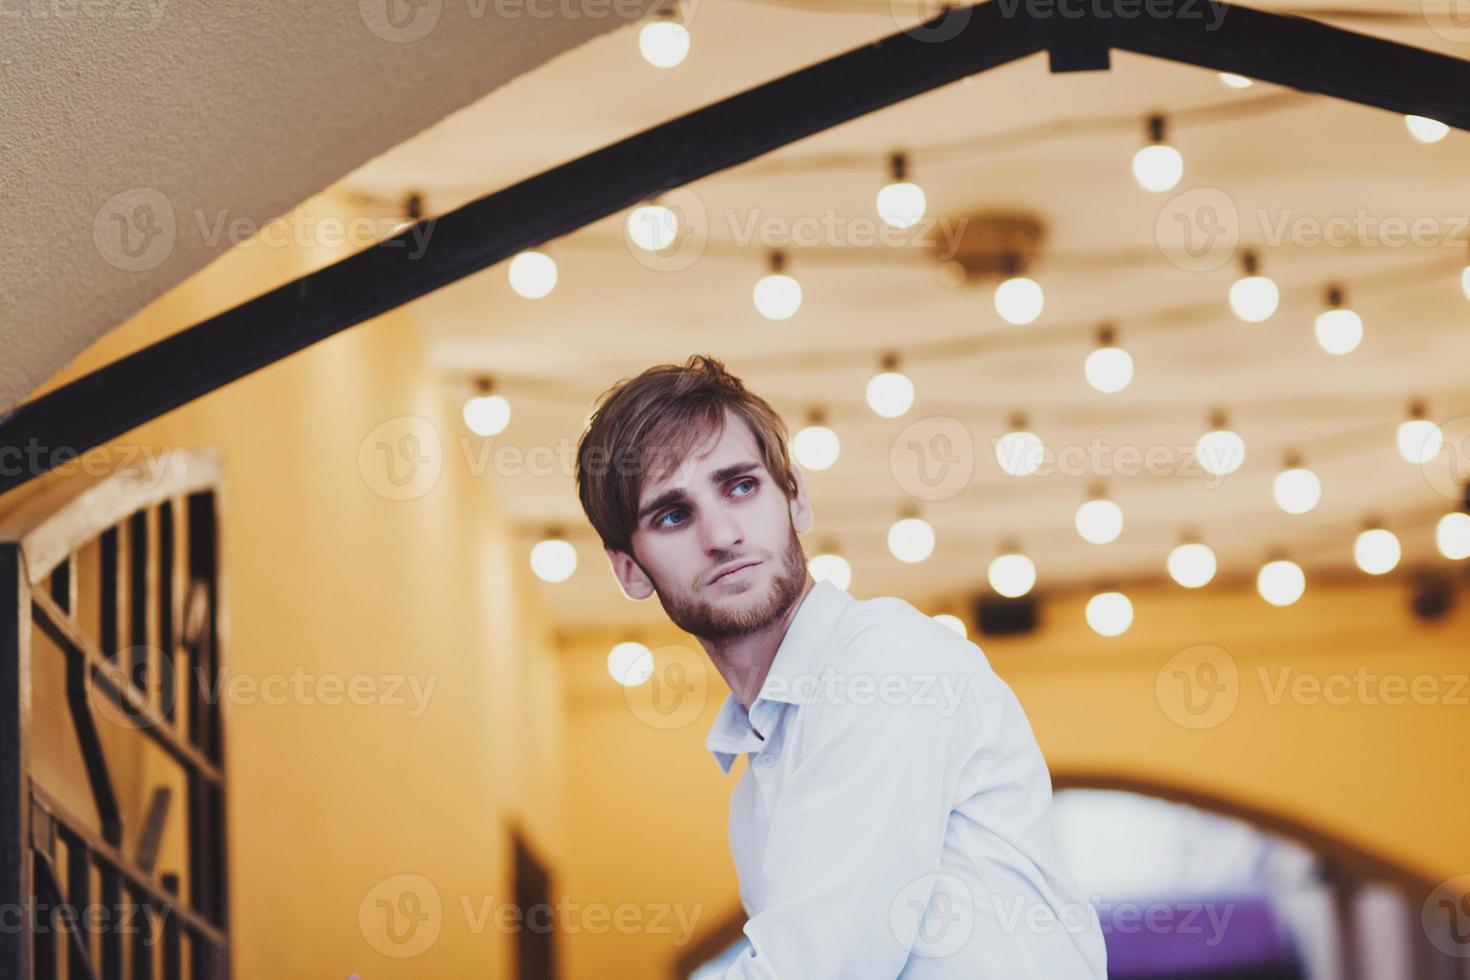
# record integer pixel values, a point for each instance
(206, 115)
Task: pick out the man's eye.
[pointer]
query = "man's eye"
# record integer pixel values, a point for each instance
(753, 483)
(662, 519)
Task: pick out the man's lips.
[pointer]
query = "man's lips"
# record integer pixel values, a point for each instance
(733, 568)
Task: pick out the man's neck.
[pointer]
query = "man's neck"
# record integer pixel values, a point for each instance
(744, 661)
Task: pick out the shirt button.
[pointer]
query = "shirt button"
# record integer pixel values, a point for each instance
(768, 760)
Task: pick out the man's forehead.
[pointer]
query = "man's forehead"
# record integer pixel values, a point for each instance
(735, 444)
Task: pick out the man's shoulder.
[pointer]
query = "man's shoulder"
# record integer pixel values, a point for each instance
(889, 633)
(892, 670)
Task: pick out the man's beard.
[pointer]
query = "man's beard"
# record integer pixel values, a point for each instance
(707, 621)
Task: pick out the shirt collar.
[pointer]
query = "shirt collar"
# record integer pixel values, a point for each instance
(791, 679)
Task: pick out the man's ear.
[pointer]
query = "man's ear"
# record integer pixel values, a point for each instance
(630, 577)
(801, 507)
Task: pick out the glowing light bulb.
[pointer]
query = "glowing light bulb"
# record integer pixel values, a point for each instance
(890, 394)
(1377, 551)
(553, 560)
(1297, 490)
(1019, 300)
(1419, 440)
(652, 227)
(1220, 451)
(1158, 167)
(663, 43)
(911, 539)
(777, 295)
(1109, 613)
(1108, 369)
(486, 415)
(1253, 297)
(1011, 575)
(1426, 130)
(1192, 565)
(1020, 453)
(1452, 536)
(953, 622)
(831, 568)
(815, 447)
(630, 664)
(1281, 582)
(1339, 331)
(532, 274)
(1099, 521)
(901, 202)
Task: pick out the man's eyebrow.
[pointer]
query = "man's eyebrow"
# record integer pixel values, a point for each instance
(677, 494)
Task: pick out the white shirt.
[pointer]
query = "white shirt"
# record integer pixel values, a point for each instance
(894, 815)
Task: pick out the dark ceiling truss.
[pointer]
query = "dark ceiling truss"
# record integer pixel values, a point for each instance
(1078, 35)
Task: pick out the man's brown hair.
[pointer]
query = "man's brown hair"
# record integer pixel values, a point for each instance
(646, 426)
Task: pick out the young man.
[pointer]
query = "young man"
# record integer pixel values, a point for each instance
(894, 815)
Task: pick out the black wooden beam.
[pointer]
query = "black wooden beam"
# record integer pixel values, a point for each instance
(1310, 56)
(1283, 49)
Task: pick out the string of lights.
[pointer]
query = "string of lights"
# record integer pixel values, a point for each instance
(1192, 563)
(1019, 300)
(973, 148)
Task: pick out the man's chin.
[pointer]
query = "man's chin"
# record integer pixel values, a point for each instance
(724, 611)
(715, 615)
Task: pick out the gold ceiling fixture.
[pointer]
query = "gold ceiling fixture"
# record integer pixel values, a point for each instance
(990, 245)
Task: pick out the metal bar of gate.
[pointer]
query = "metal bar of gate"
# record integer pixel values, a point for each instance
(16, 887)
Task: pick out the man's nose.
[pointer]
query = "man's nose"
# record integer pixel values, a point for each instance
(721, 531)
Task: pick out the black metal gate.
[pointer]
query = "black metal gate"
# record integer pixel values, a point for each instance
(112, 786)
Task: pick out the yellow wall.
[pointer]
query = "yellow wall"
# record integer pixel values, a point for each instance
(1314, 738)
(1382, 778)
(325, 575)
